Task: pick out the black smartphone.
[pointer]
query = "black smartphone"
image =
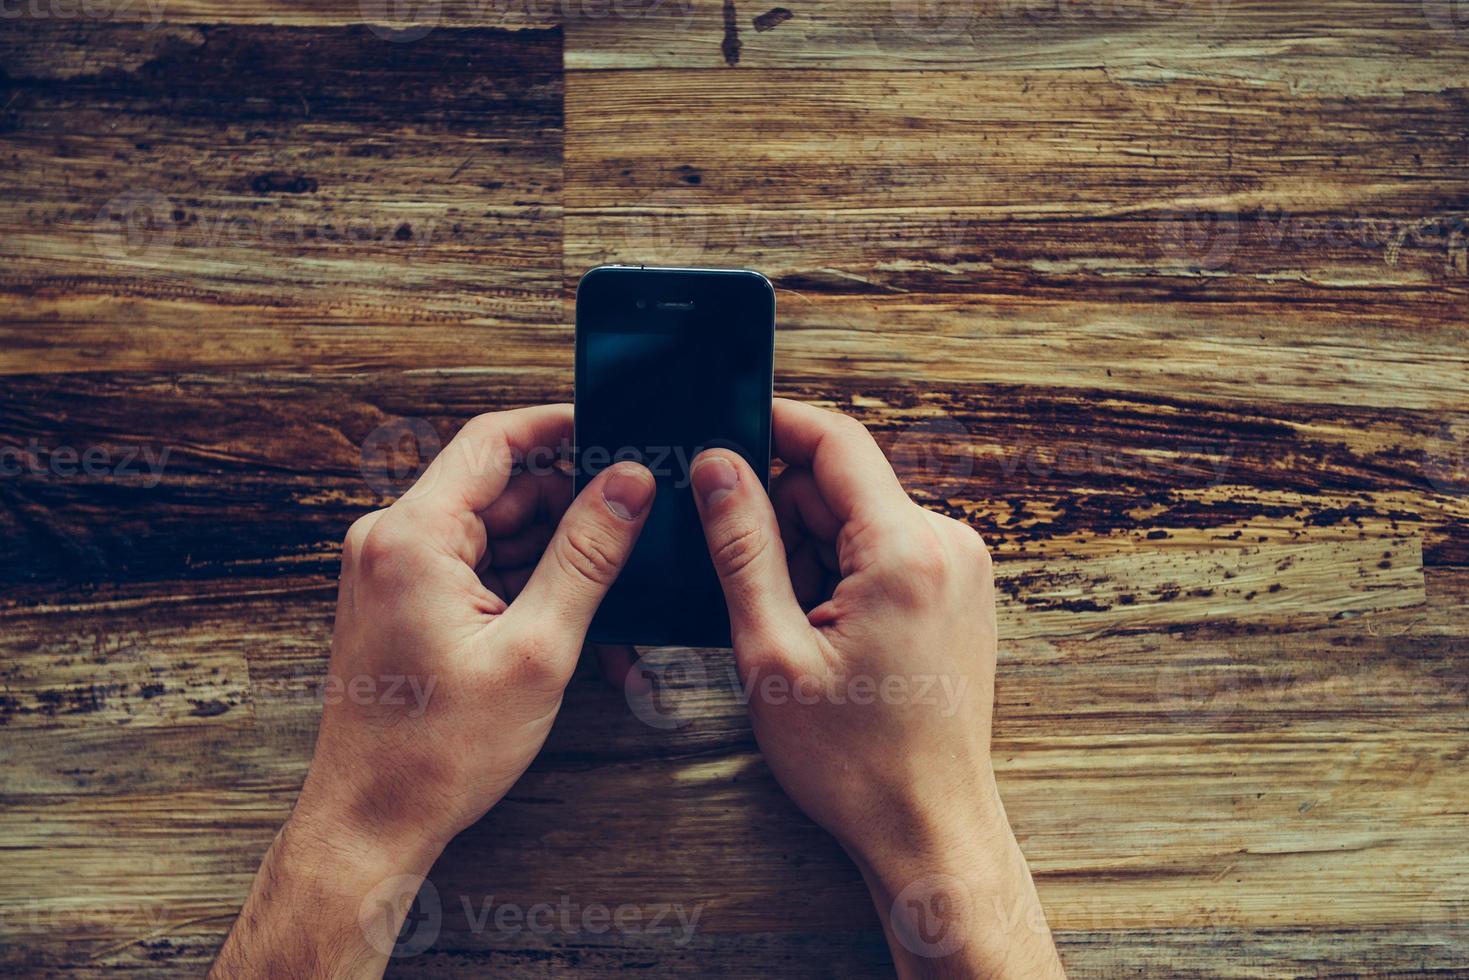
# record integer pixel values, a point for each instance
(670, 362)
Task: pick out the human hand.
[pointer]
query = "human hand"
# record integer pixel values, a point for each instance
(461, 612)
(864, 630)
(475, 586)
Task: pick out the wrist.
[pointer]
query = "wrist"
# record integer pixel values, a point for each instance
(936, 870)
(952, 830)
(352, 888)
(337, 836)
(361, 876)
(956, 890)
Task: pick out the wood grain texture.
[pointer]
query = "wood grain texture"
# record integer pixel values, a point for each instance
(1166, 299)
(1041, 475)
(1352, 730)
(239, 209)
(1354, 46)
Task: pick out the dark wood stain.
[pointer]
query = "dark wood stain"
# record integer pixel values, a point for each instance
(730, 46)
(772, 19)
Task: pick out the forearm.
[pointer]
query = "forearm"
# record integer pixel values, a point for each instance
(326, 902)
(961, 902)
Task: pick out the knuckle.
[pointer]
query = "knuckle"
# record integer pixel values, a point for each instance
(588, 553)
(386, 547)
(980, 552)
(482, 442)
(486, 426)
(850, 427)
(972, 544)
(739, 547)
(919, 568)
(357, 536)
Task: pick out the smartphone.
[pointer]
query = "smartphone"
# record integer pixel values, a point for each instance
(670, 362)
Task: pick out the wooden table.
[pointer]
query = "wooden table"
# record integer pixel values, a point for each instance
(1166, 298)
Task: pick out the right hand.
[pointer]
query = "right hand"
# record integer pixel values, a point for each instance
(864, 630)
(854, 586)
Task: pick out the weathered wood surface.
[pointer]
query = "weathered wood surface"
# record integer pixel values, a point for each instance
(1166, 299)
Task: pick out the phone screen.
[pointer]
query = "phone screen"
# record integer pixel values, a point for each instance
(671, 362)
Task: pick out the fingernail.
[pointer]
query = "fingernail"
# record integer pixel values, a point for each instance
(627, 494)
(714, 479)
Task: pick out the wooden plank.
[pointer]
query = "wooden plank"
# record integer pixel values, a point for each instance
(140, 680)
(860, 245)
(1225, 249)
(1352, 47)
(1377, 352)
(1107, 147)
(1170, 664)
(1207, 830)
(399, 23)
(1244, 671)
(928, 220)
(1433, 948)
(1040, 474)
(1381, 353)
(1204, 953)
(1152, 591)
(1106, 304)
(182, 204)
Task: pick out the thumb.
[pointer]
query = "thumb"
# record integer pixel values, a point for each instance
(585, 555)
(745, 543)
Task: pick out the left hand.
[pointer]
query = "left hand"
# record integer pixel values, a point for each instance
(426, 595)
(461, 613)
